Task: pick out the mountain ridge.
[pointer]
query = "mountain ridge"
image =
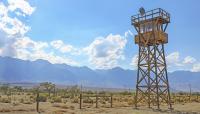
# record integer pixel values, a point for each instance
(17, 70)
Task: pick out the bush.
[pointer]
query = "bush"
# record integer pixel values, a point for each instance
(75, 100)
(64, 101)
(65, 96)
(87, 100)
(56, 100)
(27, 102)
(5, 100)
(42, 98)
(131, 102)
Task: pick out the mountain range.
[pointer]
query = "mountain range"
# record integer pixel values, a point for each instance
(17, 70)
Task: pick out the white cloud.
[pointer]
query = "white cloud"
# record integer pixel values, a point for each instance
(134, 62)
(13, 41)
(28, 49)
(173, 59)
(27, 43)
(64, 48)
(41, 54)
(105, 52)
(23, 5)
(189, 60)
(57, 44)
(127, 33)
(175, 62)
(11, 28)
(196, 67)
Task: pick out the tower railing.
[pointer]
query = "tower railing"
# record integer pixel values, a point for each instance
(152, 14)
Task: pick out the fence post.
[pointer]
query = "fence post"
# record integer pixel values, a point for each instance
(111, 101)
(96, 101)
(37, 102)
(80, 100)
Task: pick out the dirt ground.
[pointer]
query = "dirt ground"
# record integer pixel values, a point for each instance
(73, 108)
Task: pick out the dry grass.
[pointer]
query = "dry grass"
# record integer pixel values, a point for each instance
(25, 104)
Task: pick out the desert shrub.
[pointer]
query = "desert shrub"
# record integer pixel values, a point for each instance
(21, 100)
(102, 92)
(126, 99)
(75, 100)
(32, 97)
(106, 98)
(5, 100)
(125, 93)
(89, 92)
(5, 110)
(64, 100)
(130, 102)
(56, 100)
(65, 96)
(27, 102)
(42, 98)
(15, 103)
(102, 102)
(28, 94)
(87, 100)
(72, 107)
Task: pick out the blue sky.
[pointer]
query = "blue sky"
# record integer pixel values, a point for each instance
(82, 33)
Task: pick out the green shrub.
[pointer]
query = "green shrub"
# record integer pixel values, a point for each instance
(65, 96)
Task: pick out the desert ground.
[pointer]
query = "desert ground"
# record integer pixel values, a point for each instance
(16, 100)
(61, 108)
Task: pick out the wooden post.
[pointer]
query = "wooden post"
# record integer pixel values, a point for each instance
(37, 102)
(54, 91)
(111, 100)
(80, 100)
(190, 92)
(96, 101)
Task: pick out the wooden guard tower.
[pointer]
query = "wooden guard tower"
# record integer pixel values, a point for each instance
(152, 81)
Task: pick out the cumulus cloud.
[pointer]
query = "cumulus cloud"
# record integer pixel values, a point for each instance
(41, 54)
(27, 43)
(64, 48)
(173, 59)
(127, 33)
(196, 67)
(23, 5)
(13, 41)
(175, 62)
(27, 49)
(189, 60)
(134, 62)
(105, 52)
(11, 28)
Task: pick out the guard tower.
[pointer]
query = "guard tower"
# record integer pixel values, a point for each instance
(152, 85)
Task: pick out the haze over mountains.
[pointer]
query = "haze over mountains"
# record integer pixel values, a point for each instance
(16, 70)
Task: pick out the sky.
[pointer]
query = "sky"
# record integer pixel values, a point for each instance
(95, 33)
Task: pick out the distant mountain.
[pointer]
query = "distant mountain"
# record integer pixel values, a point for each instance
(16, 70)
